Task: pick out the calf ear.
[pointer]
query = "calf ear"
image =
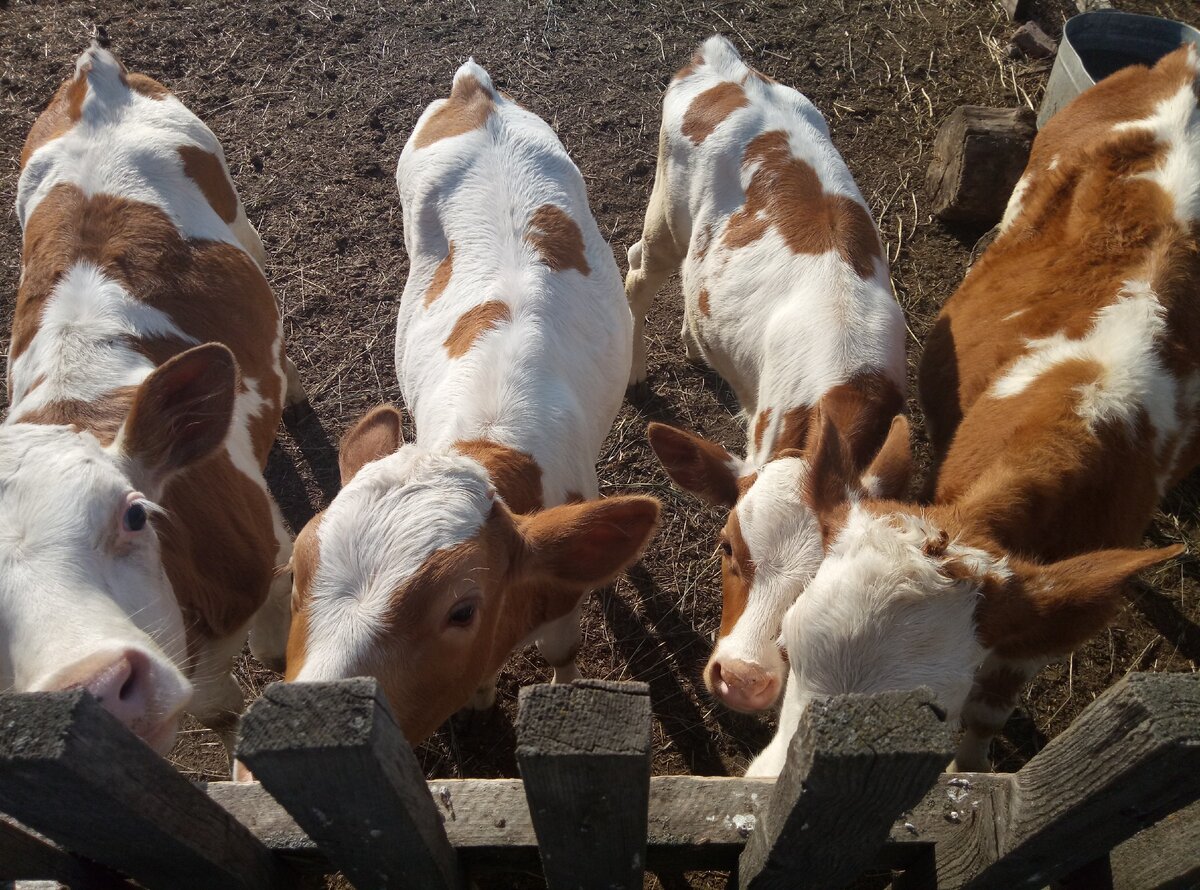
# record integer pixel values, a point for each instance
(832, 475)
(181, 413)
(1054, 609)
(376, 435)
(889, 472)
(586, 545)
(695, 464)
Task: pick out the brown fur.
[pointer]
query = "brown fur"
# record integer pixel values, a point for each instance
(557, 239)
(473, 324)
(375, 436)
(694, 464)
(760, 427)
(60, 115)
(206, 170)
(693, 64)
(786, 193)
(516, 475)
(306, 556)
(737, 575)
(709, 109)
(703, 301)
(146, 86)
(102, 417)
(441, 277)
(468, 108)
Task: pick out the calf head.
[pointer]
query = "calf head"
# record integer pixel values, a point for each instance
(419, 575)
(901, 600)
(771, 545)
(84, 598)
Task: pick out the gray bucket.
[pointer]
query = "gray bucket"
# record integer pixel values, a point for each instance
(1096, 44)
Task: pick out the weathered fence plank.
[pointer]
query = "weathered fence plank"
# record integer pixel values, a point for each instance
(1165, 856)
(333, 756)
(1131, 757)
(72, 772)
(24, 857)
(584, 755)
(854, 764)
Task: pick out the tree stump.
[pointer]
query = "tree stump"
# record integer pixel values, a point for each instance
(978, 156)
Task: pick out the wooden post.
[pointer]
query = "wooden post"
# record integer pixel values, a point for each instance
(1165, 855)
(1131, 757)
(584, 754)
(70, 771)
(855, 763)
(333, 756)
(26, 857)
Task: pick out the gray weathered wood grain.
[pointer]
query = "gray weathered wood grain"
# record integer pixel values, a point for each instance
(854, 764)
(72, 772)
(584, 754)
(1131, 757)
(334, 757)
(24, 856)
(1165, 856)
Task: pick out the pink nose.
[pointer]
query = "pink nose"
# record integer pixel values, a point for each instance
(742, 686)
(123, 686)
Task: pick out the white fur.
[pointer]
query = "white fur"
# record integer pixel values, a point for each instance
(67, 496)
(783, 328)
(548, 382)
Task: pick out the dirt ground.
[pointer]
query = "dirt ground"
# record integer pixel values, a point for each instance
(313, 100)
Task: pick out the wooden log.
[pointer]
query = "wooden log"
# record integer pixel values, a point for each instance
(854, 764)
(584, 754)
(978, 156)
(23, 856)
(334, 757)
(695, 822)
(1165, 856)
(72, 772)
(1131, 758)
(1031, 41)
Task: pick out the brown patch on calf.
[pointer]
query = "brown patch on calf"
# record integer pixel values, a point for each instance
(557, 238)
(473, 324)
(760, 427)
(862, 410)
(60, 115)
(709, 109)
(441, 277)
(146, 86)
(793, 430)
(694, 63)
(745, 483)
(516, 475)
(306, 556)
(102, 417)
(203, 286)
(468, 108)
(206, 170)
(703, 301)
(786, 193)
(703, 243)
(737, 576)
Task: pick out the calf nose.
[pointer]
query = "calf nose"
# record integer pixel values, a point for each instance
(123, 686)
(743, 686)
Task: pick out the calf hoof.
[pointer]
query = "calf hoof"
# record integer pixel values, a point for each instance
(241, 772)
(639, 392)
(297, 413)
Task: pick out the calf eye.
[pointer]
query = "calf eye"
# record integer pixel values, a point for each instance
(462, 615)
(725, 547)
(135, 517)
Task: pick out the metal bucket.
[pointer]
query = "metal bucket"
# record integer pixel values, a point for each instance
(1095, 44)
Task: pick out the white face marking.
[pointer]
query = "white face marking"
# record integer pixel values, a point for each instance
(1123, 341)
(784, 541)
(879, 616)
(377, 532)
(72, 584)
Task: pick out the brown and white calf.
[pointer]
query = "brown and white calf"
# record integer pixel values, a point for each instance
(1061, 386)
(440, 556)
(787, 297)
(145, 377)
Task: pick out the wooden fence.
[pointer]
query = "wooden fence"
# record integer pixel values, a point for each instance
(863, 793)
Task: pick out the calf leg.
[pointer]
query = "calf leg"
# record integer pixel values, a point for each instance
(273, 621)
(249, 238)
(994, 695)
(651, 262)
(559, 644)
(294, 394)
(218, 702)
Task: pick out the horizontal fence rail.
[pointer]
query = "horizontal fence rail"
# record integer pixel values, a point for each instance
(340, 789)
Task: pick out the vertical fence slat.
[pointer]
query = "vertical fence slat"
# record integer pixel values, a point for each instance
(1130, 758)
(855, 763)
(334, 757)
(23, 856)
(70, 771)
(584, 754)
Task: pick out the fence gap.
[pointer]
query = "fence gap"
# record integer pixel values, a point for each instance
(855, 763)
(70, 771)
(334, 757)
(584, 754)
